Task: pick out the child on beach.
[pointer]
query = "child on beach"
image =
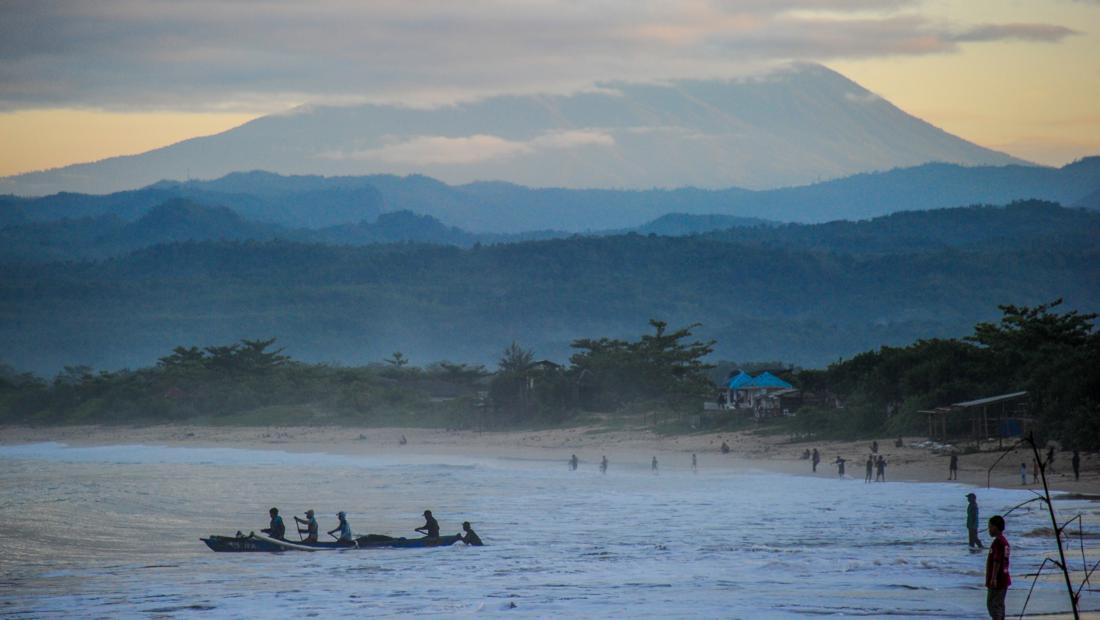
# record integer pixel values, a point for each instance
(997, 578)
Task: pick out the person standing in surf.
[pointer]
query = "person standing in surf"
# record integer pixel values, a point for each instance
(839, 462)
(870, 467)
(815, 459)
(603, 465)
(953, 468)
(997, 577)
(653, 466)
(881, 464)
(972, 521)
(694, 463)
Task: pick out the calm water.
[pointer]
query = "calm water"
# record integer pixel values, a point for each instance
(113, 532)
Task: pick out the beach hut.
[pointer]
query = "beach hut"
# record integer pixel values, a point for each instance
(1001, 416)
(752, 393)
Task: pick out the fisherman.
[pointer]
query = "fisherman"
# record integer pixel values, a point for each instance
(430, 527)
(816, 459)
(997, 577)
(311, 526)
(603, 465)
(653, 465)
(881, 464)
(1076, 462)
(573, 462)
(870, 468)
(694, 463)
(839, 462)
(471, 538)
(972, 520)
(725, 448)
(276, 529)
(344, 528)
(953, 467)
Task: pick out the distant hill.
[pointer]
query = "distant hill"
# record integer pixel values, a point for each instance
(793, 126)
(502, 208)
(801, 294)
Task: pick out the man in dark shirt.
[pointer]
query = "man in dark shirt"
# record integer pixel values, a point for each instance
(430, 527)
(881, 465)
(953, 468)
(815, 459)
(471, 538)
(276, 530)
(997, 578)
(1076, 462)
(972, 520)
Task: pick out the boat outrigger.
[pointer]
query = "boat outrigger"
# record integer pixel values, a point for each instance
(260, 542)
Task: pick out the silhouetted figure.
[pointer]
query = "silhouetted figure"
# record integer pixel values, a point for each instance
(972, 520)
(1034, 471)
(953, 468)
(430, 527)
(1076, 462)
(402, 441)
(573, 461)
(653, 466)
(1023, 474)
(725, 448)
(343, 527)
(839, 462)
(694, 463)
(311, 526)
(276, 529)
(898, 443)
(603, 465)
(816, 458)
(1050, 460)
(997, 578)
(471, 538)
(870, 466)
(874, 447)
(880, 476)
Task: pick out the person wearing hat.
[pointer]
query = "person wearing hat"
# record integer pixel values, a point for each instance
(972, 521)
(311, 526)
(344, 528)
(276, 529)
(430, 527)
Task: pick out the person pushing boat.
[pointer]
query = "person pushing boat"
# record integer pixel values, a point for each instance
(471, 538)
(430, 527)
(276, 529)
(311, 526)
(344, 528)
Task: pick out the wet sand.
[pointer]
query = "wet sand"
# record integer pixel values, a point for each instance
(631, 447)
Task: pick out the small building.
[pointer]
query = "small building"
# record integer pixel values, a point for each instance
(1001, 416)
(744, 391)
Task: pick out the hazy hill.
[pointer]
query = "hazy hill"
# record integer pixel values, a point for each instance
(503, 208)
(807, 303)
(793, 126)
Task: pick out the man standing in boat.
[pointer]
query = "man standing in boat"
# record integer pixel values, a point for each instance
(430, 527)
(276, 529)
(311, 526)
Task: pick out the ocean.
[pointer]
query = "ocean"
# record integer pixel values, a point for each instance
(113, 532)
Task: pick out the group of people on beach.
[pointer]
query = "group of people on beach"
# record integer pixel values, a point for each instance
(574, 462)
(309, 528)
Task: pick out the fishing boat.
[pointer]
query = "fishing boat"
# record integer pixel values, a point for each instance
(260, 542)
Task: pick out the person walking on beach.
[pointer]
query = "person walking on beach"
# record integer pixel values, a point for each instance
(870, 468)
(874, 447)
(972, 520)
(997, 577)
(573, 462)
(1023, 474)
(881, 464)
(694, 463)
(1050, 460)
(653, 466)
(603, 465)
(839, 462)
(953, 467)
(1034, 471)
(816, 459)
(1076, 462)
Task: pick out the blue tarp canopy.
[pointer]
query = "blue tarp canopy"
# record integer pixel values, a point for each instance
(739, 380)
(767, 380)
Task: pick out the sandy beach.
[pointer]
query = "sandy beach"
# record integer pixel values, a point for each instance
(634, 447)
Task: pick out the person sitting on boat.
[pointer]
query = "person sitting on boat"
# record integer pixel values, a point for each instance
(344, 528)
(276, 530)
(430, 527)
(471, 538)
(311, 526)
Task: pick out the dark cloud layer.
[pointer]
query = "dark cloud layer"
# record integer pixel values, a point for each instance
(265, 54)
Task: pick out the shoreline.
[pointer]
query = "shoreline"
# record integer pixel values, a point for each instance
(630, 446)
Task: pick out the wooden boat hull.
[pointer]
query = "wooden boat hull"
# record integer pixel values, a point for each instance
(260, 543)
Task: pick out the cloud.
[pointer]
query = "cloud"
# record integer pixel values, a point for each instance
(426, 150)
(266, 55)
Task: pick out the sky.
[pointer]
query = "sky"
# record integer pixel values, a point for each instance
(81, 81)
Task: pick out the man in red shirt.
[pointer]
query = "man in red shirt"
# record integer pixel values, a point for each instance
(997, 578)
